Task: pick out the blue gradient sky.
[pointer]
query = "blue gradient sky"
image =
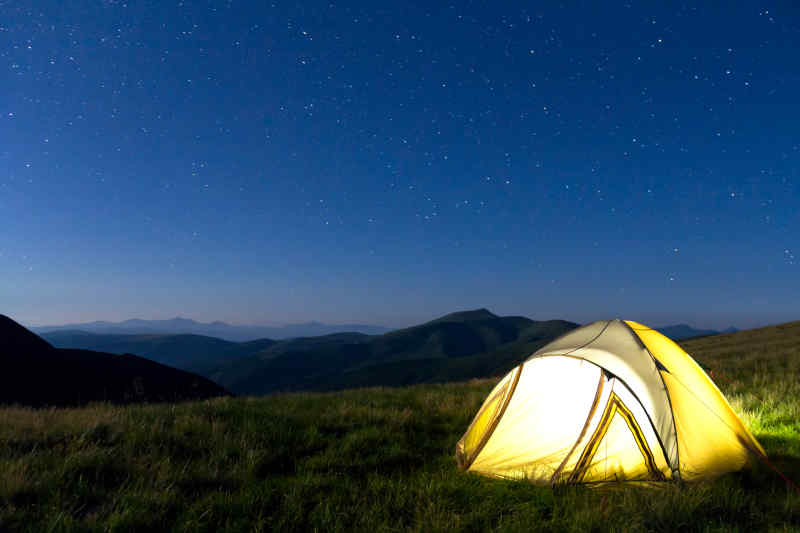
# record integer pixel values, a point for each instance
(268, 162)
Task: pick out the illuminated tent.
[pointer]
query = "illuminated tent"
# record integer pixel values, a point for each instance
(610, 401)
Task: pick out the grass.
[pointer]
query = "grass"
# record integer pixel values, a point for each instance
(377, 459)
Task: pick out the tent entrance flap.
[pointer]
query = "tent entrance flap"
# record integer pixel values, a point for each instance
(626, 464)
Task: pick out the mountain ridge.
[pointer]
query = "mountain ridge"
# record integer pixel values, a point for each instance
(685, 331)
(218, 329)
(456, 346)
(459, 345)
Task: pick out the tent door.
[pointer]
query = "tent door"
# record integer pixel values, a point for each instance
(629, 456)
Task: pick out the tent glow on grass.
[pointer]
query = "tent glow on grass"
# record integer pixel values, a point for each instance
(610, 401)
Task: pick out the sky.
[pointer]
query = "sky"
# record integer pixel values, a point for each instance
(259, 162)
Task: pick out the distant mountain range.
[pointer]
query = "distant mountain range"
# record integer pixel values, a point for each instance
(220, 330)
(457, 346)
(194, 353)
(233, 333)
(683, 331)
(34, 373)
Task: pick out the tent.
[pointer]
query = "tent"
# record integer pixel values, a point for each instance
(610, 401)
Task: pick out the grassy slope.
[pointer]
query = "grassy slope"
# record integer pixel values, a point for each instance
(759, 371)
(375, 459)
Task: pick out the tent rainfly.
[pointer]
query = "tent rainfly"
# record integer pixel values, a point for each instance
(610, 401)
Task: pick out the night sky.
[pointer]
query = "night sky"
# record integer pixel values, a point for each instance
(352, 162)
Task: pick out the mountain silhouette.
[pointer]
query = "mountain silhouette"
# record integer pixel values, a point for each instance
(685, 331)
(217, 329)
(457, 346)
(187, 352)
(466, 316)
(35, 373)
(16, 339)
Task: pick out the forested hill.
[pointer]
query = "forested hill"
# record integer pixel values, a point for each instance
(454, 347)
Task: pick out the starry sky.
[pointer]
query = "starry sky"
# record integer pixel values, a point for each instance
(386, 163)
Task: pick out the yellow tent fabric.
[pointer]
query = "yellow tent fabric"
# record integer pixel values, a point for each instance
(611, 401)
(711, 438)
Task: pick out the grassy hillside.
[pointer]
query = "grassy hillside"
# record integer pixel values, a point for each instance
(759, 371)
(371, 460)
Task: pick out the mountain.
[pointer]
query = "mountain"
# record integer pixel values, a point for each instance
(466, 316)
(456, 346)
(684, 331)
(194, 353)
(217, 329)
(405, 372)
(37, 374)
(310, 343)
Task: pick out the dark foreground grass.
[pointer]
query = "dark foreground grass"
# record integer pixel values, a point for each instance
(372, 459)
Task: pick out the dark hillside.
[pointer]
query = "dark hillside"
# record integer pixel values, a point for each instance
(684, 331)
(34, 373)
(454, 347)
(302, 344)
(454, 335)
(441, 370)
(466, 316)
(180, 351)
(194, 353)
(14, 339)
(545, 329)
(311, 369)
